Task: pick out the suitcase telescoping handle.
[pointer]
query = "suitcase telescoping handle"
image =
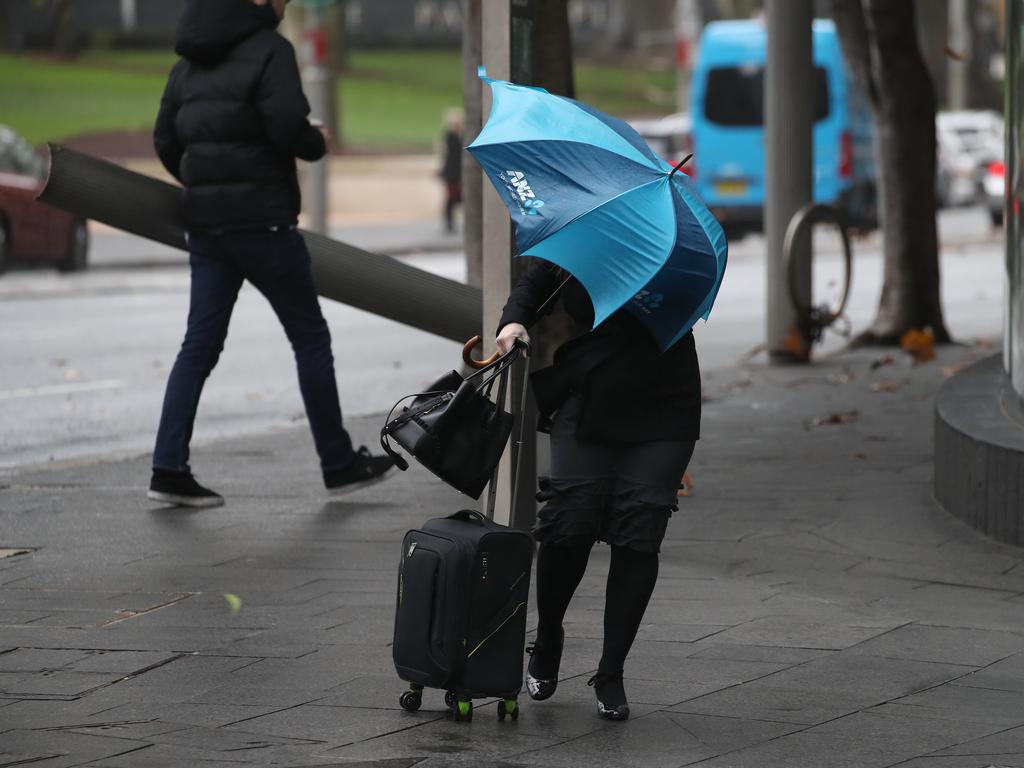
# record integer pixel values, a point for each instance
(521, 347)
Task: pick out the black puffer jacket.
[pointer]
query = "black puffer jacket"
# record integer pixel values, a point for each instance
(233, 118)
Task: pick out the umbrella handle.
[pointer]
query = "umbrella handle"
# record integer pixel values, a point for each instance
(467, 354)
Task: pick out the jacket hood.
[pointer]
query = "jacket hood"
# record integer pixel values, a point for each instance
(209, 29)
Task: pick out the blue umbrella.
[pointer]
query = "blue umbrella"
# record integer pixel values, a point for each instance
(586, 193)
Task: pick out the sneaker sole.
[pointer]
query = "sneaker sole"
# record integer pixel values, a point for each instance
(343, 490)
(204, 502)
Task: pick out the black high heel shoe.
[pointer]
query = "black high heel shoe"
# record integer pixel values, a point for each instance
(611, 695)
(542, 671)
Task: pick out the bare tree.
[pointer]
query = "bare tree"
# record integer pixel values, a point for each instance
(879, 39)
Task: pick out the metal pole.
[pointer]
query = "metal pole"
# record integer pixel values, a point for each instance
(789, 97)
(128, 15)
(687, 31)
(317, 85)
(959, 43)
(472, 175)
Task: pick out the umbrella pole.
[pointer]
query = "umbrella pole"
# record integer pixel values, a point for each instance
(685, 160)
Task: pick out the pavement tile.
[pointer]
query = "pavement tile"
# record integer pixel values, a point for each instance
(983, 705)
(1006, 675)
(661, 741)
(70, 748)
(952, 645)
(859, 740)
(333, 726)
(800, 633)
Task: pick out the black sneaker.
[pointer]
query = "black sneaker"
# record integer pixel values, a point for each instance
(611, 695)
(542, 671)
(365, 470)
(181, 489)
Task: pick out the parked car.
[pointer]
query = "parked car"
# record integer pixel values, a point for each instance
(993, 187)
(31, 232)
(670, 136)
(968, 142)
(727, 105)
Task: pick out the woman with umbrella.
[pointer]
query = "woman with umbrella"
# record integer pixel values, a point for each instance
(638, 259)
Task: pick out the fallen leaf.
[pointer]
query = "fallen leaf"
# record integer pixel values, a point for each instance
(840, 378)
(880, 361)
(685, 485)
(70, 374)
(888, 385)
(859, 456)
(844, 417)
(919, 344)
(796, 344)
(254, 396)
(234, 602)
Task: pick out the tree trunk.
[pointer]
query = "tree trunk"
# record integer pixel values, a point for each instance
(879, 38)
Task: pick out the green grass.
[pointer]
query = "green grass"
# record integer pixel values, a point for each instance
(389, 99)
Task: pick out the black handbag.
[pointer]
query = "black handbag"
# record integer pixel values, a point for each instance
(455, 429)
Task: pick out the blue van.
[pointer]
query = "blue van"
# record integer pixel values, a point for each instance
(727, 107)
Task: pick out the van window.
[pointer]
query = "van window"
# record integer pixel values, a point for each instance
(735, 95)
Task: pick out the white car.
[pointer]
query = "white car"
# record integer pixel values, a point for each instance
(671, 136)
(968, 143)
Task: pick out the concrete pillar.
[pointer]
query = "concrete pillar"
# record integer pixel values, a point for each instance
(505, 44)
(496, 236)
(789, 163)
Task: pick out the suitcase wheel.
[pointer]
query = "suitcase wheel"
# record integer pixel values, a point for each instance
(462, 712)
(508, 707)
(449, 699)
(411, 699)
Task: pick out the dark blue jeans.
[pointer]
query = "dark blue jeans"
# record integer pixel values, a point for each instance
(278, 264)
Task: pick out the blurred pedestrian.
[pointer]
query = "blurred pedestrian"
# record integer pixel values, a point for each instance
(451, 166)
(623, 419)
(232, 122)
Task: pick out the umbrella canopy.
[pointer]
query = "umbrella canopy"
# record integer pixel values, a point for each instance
(586, 193)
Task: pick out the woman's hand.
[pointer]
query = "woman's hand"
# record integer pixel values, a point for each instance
(507, 337)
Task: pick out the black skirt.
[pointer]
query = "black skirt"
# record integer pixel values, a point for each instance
(620, 493)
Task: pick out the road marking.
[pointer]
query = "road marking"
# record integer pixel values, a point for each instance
(62, 389)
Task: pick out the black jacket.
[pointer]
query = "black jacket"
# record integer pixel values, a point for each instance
(632, 391)
(233, 118)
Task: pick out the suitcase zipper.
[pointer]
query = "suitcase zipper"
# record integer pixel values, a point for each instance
(498, 629)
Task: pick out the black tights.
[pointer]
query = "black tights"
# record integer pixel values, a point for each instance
(631, 580)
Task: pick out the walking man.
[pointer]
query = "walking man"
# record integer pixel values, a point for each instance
(232, 122)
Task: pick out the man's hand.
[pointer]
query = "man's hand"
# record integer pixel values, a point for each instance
(507, 337)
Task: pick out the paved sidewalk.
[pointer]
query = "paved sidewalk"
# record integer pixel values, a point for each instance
(815, 608)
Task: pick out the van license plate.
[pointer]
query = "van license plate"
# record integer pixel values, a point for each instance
(731, 188)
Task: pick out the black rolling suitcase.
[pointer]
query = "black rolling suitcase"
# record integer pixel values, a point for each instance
(460, 623)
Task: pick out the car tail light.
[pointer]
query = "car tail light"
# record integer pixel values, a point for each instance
(997, 168)
(845, 155)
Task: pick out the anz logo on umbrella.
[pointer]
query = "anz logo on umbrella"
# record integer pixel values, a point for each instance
(516, 183)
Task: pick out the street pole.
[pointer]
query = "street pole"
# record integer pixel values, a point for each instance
(317, 84)
(129, 16)
(472, 174)
(789, 163)
(687, 30)
(958, 67)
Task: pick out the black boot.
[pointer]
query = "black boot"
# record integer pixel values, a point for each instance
(542, 671)
(611, 695)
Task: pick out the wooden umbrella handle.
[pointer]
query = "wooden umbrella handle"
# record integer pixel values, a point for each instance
(467, 354)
